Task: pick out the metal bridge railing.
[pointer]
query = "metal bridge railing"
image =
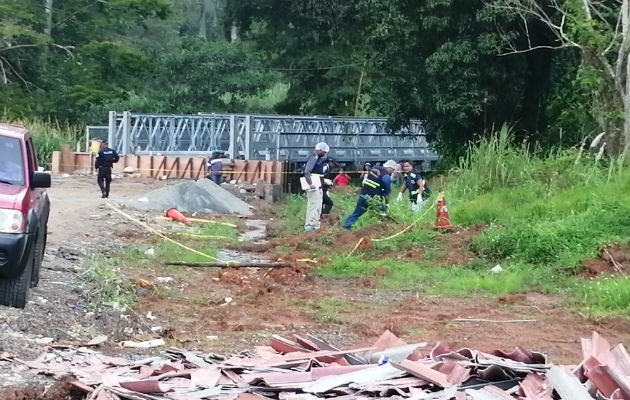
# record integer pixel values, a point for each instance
(266, 137)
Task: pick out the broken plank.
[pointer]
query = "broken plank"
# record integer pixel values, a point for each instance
(228, 265)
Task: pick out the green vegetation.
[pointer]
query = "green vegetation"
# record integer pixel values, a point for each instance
(605, 295)
(105, 284)
(48, 136)
(109, 287)
(327, 310)
(543, 215)
(433, 60)
(165, 250)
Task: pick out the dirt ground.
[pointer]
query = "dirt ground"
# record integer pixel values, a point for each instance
(231, 310)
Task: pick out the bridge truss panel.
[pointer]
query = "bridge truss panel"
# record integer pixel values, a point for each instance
(266, 137)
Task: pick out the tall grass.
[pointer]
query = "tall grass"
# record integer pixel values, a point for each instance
(48, 136)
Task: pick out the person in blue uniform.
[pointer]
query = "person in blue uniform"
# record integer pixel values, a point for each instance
(376, 186)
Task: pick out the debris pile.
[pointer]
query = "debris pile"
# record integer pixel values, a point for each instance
(308, 368)
(202, 196)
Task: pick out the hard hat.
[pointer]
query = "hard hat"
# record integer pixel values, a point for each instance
(322, 146)
(390, 164)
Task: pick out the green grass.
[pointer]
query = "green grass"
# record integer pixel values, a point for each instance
(450, 279)
(105, 285)
(168, 251)
(327, 310)
(49, 136)
(604, 296)
(544, 214)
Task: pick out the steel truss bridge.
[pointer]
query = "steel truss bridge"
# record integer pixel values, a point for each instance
(266, 137)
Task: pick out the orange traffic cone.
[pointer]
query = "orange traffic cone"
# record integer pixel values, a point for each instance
(442, 213)
(175, 215)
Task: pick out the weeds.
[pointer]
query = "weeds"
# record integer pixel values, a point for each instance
(106, 287)
(327, 310)
(48, 136)
(544, 214)
(605, 295)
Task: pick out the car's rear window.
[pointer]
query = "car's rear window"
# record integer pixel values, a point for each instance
(11, 162)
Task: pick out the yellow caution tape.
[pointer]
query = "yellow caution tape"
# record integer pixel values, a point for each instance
(209, 221)
(406, 229)
(160, 234)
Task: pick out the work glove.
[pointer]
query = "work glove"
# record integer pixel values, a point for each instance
(328, 182)
(399, 197)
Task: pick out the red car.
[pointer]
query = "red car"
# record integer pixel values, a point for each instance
(24, 209)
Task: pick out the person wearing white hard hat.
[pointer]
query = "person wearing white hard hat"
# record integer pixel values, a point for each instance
(314, 195)
(376, 186)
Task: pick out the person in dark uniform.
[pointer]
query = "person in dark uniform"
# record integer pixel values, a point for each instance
(327, 203)
(414, 182)
(105, 159)
(215, 166)
(377, 185)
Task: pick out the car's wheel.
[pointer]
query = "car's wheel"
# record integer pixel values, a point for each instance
(38, 256)
(14, 292)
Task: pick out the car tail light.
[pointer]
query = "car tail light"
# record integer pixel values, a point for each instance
(11, 221)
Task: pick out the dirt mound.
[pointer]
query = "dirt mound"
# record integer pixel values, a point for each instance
(615, 259)
(457, 241)
(191, 196)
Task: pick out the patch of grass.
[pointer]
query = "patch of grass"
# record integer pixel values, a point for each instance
(544, 214)
(327, 310)
(453, 280)
(604, 296)
(414, 238)
(167, 251)
(284, 249)
(430, 256)
(106, 287)
(50, 135)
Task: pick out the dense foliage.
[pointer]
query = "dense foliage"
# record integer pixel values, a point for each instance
(463, 66)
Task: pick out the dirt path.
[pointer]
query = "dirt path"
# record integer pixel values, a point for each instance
(197, 314)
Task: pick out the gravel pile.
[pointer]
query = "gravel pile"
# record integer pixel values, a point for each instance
(191, 196)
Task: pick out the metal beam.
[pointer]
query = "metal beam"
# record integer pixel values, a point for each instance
(268, 137)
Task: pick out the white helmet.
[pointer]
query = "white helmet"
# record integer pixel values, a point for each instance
(390, 164)
(322, 146)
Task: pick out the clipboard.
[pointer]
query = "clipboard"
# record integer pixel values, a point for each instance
(315, 179)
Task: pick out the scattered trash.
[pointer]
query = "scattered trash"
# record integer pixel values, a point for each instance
(128, 170)
(164, 279)
(311, 368)
(143, 199)
(97, 340)
(65, 175)
(143, 283)
(148, 344)
(151, 316)
(44, 340)
(496, 269)
(150, 252)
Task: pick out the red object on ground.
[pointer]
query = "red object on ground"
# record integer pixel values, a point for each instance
(175, 215)
(441, 221)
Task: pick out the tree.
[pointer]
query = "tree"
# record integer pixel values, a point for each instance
(600, 31)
